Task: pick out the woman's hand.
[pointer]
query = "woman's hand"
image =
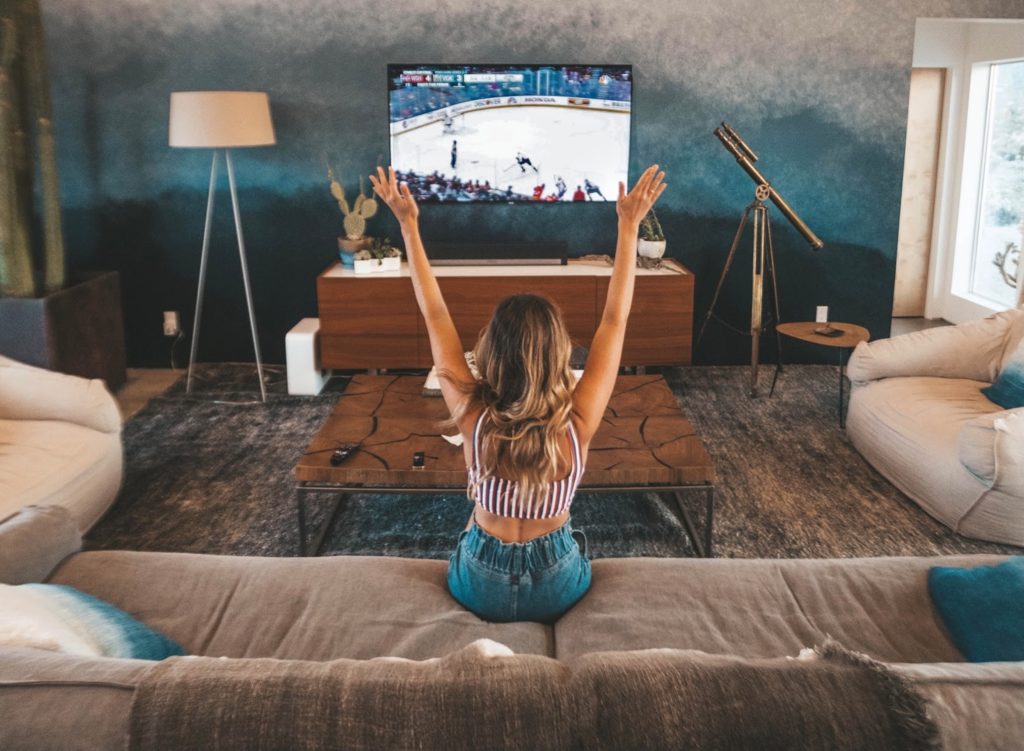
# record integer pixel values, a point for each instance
(633, 206)
(397, 197)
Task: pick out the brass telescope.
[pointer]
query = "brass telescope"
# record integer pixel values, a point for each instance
(763, 264)
(746, 157)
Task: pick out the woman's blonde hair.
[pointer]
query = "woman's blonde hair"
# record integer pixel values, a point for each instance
(525, 391)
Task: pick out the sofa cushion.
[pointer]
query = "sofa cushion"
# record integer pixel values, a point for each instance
(983, 608)
(471, 699)
(34, 540)
(55, 702)
(30, 393)
(760, 608)
(294, 608)
(909, 429)
(62, 619)
(973, 350)
(52, 463)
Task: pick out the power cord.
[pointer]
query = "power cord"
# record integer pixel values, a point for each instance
(174, 345)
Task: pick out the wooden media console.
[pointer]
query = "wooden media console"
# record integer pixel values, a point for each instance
(371, 321)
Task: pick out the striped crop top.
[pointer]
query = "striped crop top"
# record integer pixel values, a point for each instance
(501, 497)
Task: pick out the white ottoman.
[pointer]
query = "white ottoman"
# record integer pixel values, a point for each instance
(302, 355)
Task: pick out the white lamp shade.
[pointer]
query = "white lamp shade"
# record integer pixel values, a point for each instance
(220, 119)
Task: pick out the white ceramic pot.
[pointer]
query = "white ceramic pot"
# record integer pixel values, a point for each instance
(373, 266)
(650, 248)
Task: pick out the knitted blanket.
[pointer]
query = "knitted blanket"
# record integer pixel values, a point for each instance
(483, 697)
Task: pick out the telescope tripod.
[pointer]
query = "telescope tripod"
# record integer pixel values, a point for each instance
(763, 265)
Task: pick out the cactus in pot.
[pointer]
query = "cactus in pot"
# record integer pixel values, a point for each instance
(364, 207)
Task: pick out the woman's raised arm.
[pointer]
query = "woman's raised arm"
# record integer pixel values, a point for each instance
(445, 345)
(598, 380)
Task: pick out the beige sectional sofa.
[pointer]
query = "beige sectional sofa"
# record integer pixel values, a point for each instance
(620, 670)
(918, 416)
(61, 442)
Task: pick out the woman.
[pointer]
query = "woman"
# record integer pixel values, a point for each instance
(526, 427)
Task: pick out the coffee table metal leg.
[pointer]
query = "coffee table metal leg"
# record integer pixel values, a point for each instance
(300, 498)
(709, 520)
(324, 531)
(701, 543)
(323, 534)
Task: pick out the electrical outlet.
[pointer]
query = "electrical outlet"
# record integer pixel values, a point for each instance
(172, 323)
(822, 314)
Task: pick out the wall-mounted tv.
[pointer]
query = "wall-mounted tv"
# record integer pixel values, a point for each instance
(510, 133)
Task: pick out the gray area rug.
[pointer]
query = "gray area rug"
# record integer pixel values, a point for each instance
(212, 473)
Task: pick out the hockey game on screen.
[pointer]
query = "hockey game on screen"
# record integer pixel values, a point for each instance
(510, 133)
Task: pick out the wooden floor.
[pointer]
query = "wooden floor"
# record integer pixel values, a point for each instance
(142, 385)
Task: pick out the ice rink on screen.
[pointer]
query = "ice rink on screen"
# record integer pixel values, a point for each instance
(573, 143)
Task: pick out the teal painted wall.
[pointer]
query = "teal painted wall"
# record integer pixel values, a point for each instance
(819, 89)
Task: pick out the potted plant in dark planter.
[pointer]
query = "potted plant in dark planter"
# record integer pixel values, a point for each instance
(73, 326)
(651, 243)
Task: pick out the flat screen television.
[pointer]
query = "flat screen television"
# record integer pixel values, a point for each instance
(510, 133)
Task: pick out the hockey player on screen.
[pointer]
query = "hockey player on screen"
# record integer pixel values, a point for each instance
(522, 160)
(560, 187)
(579, 195)
(455, 154)
(591, 189)
(538, 192)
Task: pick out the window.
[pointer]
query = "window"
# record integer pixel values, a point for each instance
(999, 223)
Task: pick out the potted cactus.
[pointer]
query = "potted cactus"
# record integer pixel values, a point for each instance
(651, 243)
(46, 319)
(364, 207)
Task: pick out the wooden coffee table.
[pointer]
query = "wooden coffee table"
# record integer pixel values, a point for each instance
(645, 445)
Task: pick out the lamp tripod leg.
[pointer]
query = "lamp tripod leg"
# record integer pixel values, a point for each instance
(202, 273)
(245, 274)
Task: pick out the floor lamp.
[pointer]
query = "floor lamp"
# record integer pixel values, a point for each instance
(221, 120)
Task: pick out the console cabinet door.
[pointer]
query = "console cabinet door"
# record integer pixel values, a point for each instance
(660, 328)
(369, 322)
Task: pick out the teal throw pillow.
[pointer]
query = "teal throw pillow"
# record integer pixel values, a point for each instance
(63, 619)
(982, 608)
(1008, 390)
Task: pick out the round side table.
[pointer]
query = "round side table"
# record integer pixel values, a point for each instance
(852, 336)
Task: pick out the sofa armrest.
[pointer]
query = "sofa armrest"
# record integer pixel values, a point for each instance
(30, 393)
(34, 541)
(971, 350)
(992, 449)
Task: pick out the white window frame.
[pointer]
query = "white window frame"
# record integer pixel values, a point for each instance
(967, 49)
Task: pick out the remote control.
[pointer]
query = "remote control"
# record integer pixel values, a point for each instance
(342, 453)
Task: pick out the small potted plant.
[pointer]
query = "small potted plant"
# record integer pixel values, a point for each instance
(363, 208)
(380, 256)
(652, 239)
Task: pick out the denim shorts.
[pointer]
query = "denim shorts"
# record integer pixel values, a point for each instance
(537, 580)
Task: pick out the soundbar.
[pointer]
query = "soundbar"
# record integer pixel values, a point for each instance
(541, 253)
